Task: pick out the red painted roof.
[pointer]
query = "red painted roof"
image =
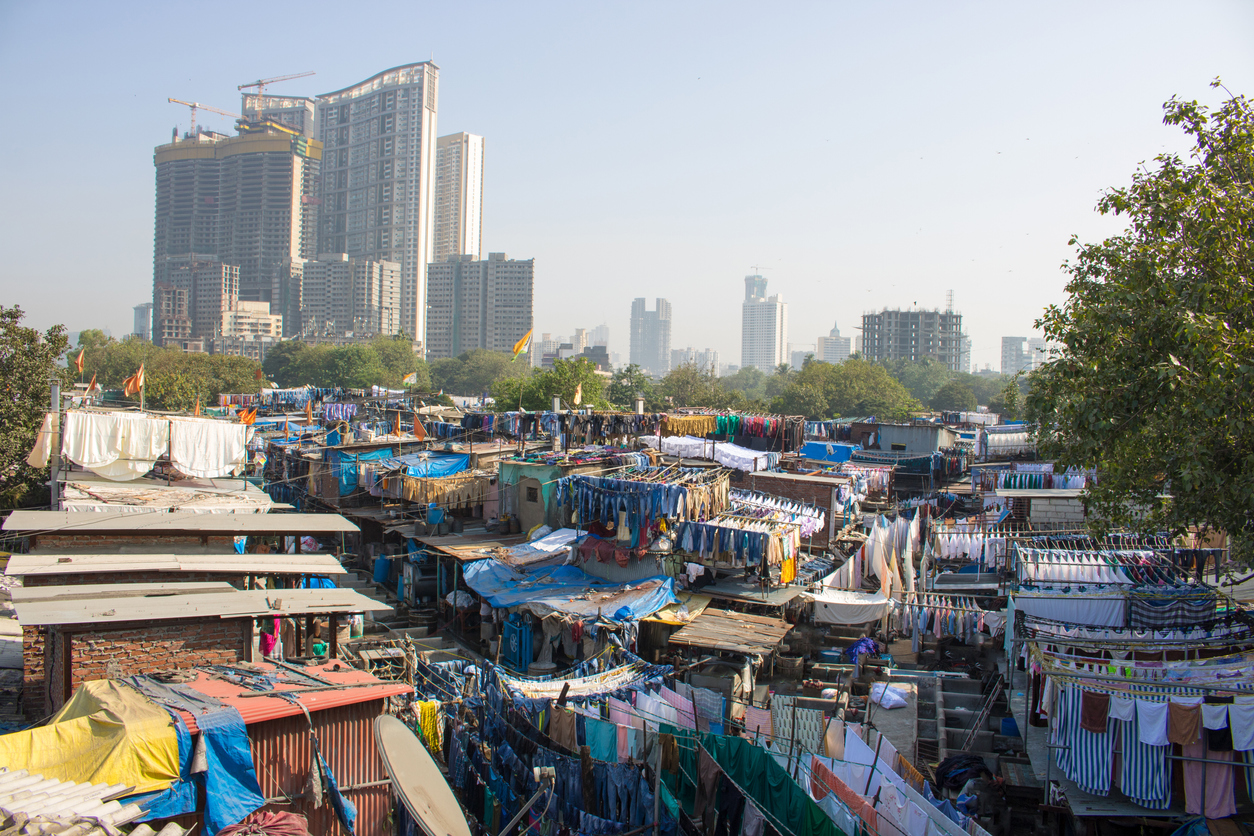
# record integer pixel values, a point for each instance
(257, 709)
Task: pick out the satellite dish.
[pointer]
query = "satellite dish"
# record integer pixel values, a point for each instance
(417, 779)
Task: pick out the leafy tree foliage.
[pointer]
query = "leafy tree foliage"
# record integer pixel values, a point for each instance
(474, 372)
(386, 361)
(955, 396)
(624, 386)
(28, 361)
(1156, 365)
(855, 388)
(535, 392)
(922, 379)
(689, 385)
(748, 380)
(174, 380)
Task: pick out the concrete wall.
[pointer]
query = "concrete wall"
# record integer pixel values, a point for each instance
(1062, 512)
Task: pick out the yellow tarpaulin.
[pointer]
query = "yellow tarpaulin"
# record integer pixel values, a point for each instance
(108, 733)
(691, 605)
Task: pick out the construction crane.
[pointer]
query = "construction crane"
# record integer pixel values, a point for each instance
(195, 105)
(261, 83)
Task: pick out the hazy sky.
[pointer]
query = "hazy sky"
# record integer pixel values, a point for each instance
(861, 155)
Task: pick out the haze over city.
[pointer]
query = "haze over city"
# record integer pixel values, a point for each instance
(858, 158)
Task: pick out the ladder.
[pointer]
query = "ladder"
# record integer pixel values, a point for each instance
(994, 692)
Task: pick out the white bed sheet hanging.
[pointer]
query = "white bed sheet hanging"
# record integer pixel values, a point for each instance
(839, 606)
(116, 445)
(208, 449)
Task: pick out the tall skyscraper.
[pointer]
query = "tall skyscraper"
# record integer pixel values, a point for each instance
(1013, 357)
(651, 337)
(833, 348)
(342, 295)
(458, 196)
(912, 335)
(763, 327)
(247, 201)
(1038, 351)
(478, 304)
(143, 321)
(378, 180)
(600, 335)
(705, 360)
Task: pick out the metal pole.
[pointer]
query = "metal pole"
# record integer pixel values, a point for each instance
(54, 481)
(657, 797)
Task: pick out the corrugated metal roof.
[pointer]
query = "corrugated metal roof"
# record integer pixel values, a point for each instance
(227, 563)
(103, 604)
(58, 804)
(55, 522)
(255, 708)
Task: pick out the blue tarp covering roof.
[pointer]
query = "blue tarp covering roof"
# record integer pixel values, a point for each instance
(429, 463)
(568, 589)
(344, 466)
(828, 451)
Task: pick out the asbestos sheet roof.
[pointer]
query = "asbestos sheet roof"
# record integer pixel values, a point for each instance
(95, 522)
(53, 806)
(733, 632)
(112, 603)
(227, 563)
(343, 685)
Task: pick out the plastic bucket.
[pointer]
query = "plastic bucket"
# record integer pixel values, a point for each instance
(382, 569)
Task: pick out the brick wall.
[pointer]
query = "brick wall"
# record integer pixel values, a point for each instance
(130, 648)
(1061, 512)
(33, 671)
(798, 490)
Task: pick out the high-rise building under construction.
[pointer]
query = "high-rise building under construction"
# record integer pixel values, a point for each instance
(378, 177)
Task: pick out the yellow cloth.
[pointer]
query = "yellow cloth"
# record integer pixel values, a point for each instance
(788, 570)
(108, 733)
(429, 719)
(698, 425)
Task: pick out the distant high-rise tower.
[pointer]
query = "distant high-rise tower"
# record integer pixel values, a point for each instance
(295, 112)
(458, 196)
(378, 180)
(651, 337)
(247, 201)
(763, 327)
(833, 348)
(912, 335)
(1014, 358)
(478, 304)
(342, 295)
(143, 321)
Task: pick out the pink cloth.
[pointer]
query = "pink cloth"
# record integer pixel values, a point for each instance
(757, 721)
(1220, 800)
(620, 716)
(683, 707)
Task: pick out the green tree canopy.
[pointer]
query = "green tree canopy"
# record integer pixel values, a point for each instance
(922, 379)
(474, 372)
(626, 383)
(855, 388)
(29, 360)
(955, 396)
(748, 380)
(1155, 365)
(535, 392)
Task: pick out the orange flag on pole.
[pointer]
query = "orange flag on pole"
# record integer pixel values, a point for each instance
(92, 387)
(196, 412)
(308, 412)
(78, 361)
(420, 432)
(397, 432)
(134, 383)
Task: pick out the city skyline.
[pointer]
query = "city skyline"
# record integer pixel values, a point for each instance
(982, 202)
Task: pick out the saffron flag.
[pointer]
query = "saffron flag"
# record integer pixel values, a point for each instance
(308, 412)
(133, 384)
(420, 432)
(92, 387)
(196, 412)
(579, 394)
(78, 361)
(397, 428)
(521, 345)
(258, 374)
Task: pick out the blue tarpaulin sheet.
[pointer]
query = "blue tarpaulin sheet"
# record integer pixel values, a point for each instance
(568, 589)
(344, 466)
(429, 463)
(828, 451)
